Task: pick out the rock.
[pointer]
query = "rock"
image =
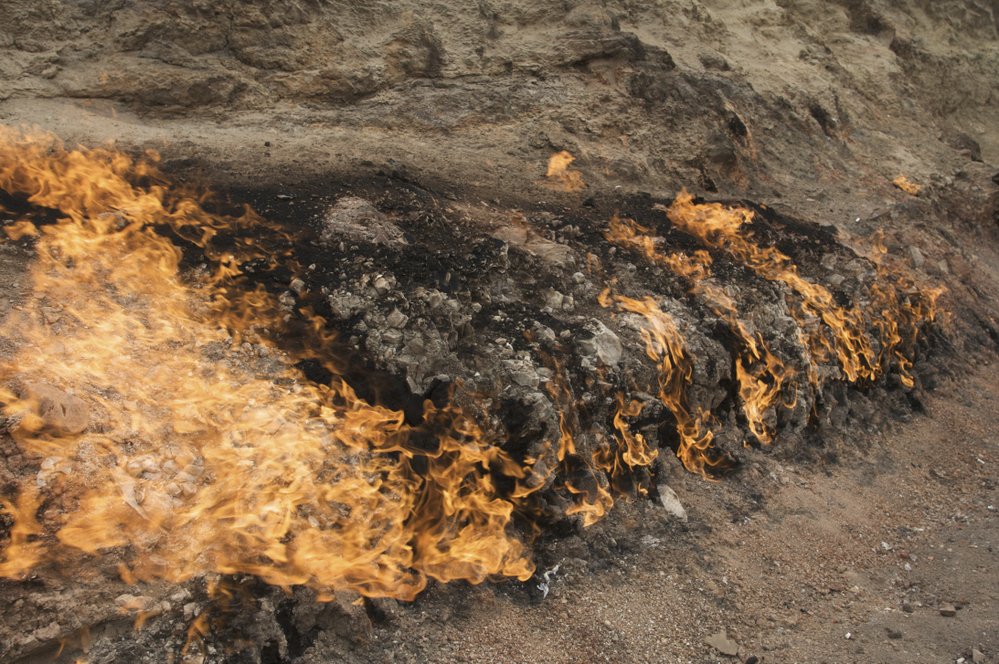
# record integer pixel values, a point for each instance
(521, 237)
(58, 412)
(948, 610)
(553, 298)
(392, 337)
(47, 633)
(522, 373)
(977, 656)
(353, 218)
(835, 279)
(893, 633)
(720, 642)
(671, 502)
(917, 257)
(603, 345)
(396, 319)
(907, 606)
(131, 602)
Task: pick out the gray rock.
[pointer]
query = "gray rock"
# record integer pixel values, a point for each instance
(59, 412)
(948, 610)
(671, 502)
(603, 344)
(396, 319)
(392, 337)
(353, 218)
(917, 257)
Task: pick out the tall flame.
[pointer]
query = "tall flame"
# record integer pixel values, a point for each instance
(665, 345)
(759, 373)
(202, 448)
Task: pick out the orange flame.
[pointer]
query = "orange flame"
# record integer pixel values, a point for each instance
(759, 373)
(203, 457)
(559, 174)
(665, 345)
(907, 185)
(846, 338)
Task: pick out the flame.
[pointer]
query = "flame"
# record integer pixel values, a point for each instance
(559, 174)
(665, 345)
(907, 185)
(591, 498)
(759, 373)
(199, 455)
(845, 337)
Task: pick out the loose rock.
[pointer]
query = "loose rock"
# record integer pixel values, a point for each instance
(720, 642)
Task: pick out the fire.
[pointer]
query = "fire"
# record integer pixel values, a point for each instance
(580, 479)
(845, 336)
(204, 449)
(664, 345)
(907, 185)
(561, 176)
(759, 373)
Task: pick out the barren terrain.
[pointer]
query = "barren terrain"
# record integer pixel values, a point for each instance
(408, 142)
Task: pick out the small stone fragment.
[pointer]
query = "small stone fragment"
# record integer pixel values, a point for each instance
(977, 656)
(603, 344)
(357, 220)
(671, 502)
(948, 610)
(396, 319)
(720, 642)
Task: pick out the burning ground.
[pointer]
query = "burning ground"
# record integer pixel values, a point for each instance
(352, 394)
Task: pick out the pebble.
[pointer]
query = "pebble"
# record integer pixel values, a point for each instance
(948, 610)
(720, 642)
(671, 502)
(396, 319)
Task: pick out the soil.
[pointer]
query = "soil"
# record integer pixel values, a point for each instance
(845, 545)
